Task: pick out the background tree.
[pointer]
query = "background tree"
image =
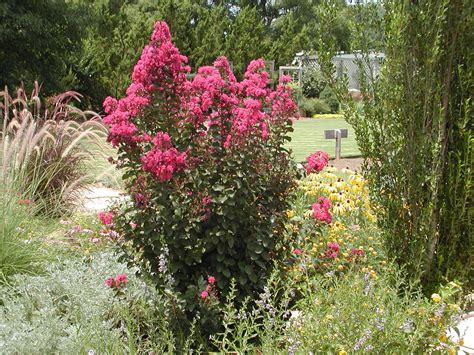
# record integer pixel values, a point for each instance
(416, 133)
(211, 36)
(246, 40)
(117, 33)
(40, 41)
(287, 40)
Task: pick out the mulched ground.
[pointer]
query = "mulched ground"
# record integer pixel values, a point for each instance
(347, 163)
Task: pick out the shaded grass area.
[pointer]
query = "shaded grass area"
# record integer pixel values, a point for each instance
(308, 137)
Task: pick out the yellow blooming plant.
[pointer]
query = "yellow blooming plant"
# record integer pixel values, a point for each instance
(350, 240)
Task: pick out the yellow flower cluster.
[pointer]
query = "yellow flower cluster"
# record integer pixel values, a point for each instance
(347, 191)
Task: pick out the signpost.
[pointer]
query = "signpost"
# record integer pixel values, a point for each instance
(338, 134)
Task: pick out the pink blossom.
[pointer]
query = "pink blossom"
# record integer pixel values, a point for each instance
(121, 279)
(316, 162)
(110, 281)
(106, 218)
(321, 210)
(284, 79)
(357, 252)
(211, 280)
(163, 163)
(297, 251)
(332, 251)
(227, 141)
(204, 295)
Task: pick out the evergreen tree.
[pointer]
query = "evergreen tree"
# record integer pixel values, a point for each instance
(118, 32)
(246, 40)
(211, 35)
(40, 41)
(287, 40)
(182, 17)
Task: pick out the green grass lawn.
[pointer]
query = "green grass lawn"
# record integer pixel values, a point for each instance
(309, 137)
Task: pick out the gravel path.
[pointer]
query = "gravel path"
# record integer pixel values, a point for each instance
(99, 198)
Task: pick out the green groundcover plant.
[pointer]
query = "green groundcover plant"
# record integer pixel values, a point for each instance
(70, 309)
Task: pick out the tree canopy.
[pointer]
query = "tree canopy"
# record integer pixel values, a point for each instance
(90, 46)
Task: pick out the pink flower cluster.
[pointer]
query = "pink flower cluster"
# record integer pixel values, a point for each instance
(321, 210)
(161, 92)
(297, 251)
(332, 251)
(357, 252)
(160, 71)
(316, 162)
(118, 281)
(163, 159)
(209, 288)
(106, 218)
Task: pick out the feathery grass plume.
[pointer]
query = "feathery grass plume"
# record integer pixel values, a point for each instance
(45, 148)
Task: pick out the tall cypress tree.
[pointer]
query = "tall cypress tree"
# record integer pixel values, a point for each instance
(211, 36)
(247, 39)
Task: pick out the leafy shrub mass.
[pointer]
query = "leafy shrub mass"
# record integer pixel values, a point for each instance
(205, 169)
(312, 83)
(328, 96)
(415, 127)
(313, 106)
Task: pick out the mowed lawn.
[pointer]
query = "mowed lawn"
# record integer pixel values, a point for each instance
(308, 137)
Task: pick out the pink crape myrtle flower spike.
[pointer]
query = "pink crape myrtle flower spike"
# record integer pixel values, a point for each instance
(316, 162)
(106, 218)
(110, 282)
(321, 210)
(161, 69)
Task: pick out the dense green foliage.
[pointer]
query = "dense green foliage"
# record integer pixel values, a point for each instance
(40, 40)
(91, 46)
(416, 131)
(313, 106)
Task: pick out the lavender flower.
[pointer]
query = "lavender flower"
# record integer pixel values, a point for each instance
(407, 327)
(439, 312)
(361, 341)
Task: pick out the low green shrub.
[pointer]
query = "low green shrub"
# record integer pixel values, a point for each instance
(314, 106)
(385, 315)
(328, 96)
(70, 310)
(312, 83)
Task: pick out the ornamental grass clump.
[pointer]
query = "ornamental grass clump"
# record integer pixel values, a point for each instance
(45, 148)
(205, 168)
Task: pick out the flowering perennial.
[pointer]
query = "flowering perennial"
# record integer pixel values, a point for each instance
(106, 218)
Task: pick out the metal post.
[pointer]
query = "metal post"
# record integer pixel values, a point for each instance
(338, 144)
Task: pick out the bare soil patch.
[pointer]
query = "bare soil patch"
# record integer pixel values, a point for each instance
(354, 164)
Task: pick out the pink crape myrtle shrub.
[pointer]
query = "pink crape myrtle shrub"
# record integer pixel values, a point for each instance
(205, 167)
